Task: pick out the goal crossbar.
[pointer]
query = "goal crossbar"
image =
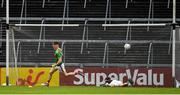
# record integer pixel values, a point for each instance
(91, 41)
(77, 25)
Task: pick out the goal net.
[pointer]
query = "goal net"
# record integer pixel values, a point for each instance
(85, 46)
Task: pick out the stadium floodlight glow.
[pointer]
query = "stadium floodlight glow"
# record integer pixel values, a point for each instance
(77, 25)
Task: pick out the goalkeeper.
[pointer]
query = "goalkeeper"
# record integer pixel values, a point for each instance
(59, 65)
(117, 83)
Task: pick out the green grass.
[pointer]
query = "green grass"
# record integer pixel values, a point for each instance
(86, 90)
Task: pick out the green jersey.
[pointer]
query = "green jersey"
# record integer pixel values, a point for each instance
(58, 54)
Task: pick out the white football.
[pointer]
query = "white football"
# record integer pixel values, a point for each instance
(127, 46)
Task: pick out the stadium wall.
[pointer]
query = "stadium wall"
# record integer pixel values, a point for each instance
(156, 77)
(93, 76)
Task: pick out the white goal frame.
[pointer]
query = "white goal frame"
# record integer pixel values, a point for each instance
(104, 25)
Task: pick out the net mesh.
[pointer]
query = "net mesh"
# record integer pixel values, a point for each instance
(13, 71)
(35, 52)
(32, 46)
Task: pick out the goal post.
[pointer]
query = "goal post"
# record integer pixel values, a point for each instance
(177, 57)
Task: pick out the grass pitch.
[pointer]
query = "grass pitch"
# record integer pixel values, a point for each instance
(86, 90)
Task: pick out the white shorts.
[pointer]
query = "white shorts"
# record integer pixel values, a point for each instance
(116, 83)
(61, 67)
